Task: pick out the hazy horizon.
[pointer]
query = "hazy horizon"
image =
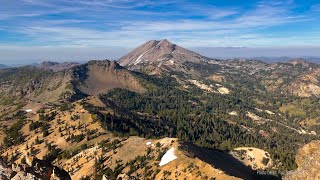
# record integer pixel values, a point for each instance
(85, 54)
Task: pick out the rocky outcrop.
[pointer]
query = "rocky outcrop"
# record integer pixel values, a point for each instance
(308, 161)
(307, 84)
(5, 171)
(37, 169)
(100, 76)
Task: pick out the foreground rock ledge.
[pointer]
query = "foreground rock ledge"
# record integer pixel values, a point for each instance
(308, 161)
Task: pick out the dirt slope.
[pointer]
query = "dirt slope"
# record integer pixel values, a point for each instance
(98, 77)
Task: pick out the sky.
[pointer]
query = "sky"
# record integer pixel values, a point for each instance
(72, 30)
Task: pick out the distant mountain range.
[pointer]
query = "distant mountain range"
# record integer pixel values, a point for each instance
(286, 59)
(2, 66)
(55, 66)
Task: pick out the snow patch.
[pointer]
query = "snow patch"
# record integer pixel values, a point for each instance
(313, 133)
(139, 58)
(29, 110)
(168, 157)
(172, 61)
(148, 143)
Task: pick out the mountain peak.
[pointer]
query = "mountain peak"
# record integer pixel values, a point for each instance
(164, 42)
(159, 53)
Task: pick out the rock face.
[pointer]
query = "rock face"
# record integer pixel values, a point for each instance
(308, 161)
(159, 55)
(97, 77)
(307, 84)
(38, 170)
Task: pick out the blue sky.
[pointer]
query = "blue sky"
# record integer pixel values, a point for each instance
(80, 29)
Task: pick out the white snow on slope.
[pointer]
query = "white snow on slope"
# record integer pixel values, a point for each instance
(148, 143)
(168, 157)
(29, 110)
(139, 58)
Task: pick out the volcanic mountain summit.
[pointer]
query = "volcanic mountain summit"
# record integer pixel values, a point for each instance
(159, 55)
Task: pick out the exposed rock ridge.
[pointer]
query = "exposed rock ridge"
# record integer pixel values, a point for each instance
(308, 161)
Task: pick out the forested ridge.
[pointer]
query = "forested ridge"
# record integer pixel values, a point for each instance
(202, 118)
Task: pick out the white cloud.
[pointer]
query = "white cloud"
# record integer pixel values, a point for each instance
(123, 23)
